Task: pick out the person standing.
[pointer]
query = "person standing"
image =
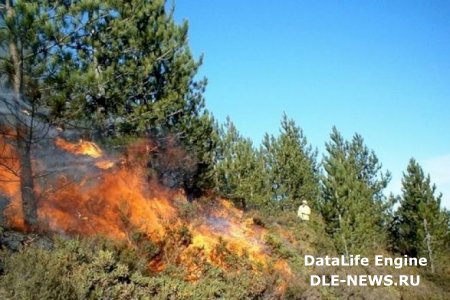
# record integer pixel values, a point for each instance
(304, 211)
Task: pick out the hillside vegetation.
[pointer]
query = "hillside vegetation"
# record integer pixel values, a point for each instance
(117, 183)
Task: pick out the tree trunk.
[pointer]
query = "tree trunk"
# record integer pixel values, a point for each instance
(15, 55)
(428, 242)
(344, 240)
(29, 205)
(24, 133)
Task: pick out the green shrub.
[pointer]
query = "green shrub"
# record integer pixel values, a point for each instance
(96, 268)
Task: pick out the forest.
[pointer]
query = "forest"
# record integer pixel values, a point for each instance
(116, 182)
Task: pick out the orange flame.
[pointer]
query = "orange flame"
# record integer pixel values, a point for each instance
(10, 184)
(104, 164)
(227, 223)
(80, 148)
(85, 148)
(112, 205)
(119, 201)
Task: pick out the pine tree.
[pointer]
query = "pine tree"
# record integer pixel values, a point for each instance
(200, 138)
(128, 70)
(420, 224)
(291, 164)
(353, 203)
(108, 67)
(240, 170)
(25, 33)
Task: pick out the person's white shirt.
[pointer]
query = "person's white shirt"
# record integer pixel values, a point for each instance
(304, 211)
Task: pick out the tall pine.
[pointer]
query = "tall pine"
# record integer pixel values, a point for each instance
(240, 173)
(292, 167)
(109, 68)
(127, 69)
(353, 204)
(420, 226)
(27, 36)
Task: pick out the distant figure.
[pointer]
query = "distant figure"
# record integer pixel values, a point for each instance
(304, 211)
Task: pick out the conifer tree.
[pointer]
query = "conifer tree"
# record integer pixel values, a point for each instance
(420, 225)
(353, 204)
(291, 164)
(200, 138)
(27, 35)
(107, 67)
(240, 174)
(129, 70)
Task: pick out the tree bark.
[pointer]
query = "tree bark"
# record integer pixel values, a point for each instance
(429, 247)
(29, 204)
(15, 55)
(344, 240)
(23, 132)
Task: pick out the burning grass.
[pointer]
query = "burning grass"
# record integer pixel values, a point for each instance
(120, 234)
(115, 197)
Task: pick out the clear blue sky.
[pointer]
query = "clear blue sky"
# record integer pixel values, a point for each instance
(379, 68)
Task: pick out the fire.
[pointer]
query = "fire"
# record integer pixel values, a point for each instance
(114, 205)
(80, 148)
(226, 223)
(85, 148)
(10, 184)
(104, 164)
(119, 199)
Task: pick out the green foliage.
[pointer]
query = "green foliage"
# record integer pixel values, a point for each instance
(199, 138)
(185, 235)
(74, 269)
(123, 69)
(22, 27)
(127, 65)
(420, 227)
(279, 175)
(278, 248)
(353, 203)
(188, 211)
(240, 173)
(98, 269)
(292, 167)
(111, 68)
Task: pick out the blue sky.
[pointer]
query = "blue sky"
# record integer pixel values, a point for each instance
(379, 68)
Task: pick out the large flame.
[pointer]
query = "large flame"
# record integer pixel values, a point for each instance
(109, 201)
(117, 198)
